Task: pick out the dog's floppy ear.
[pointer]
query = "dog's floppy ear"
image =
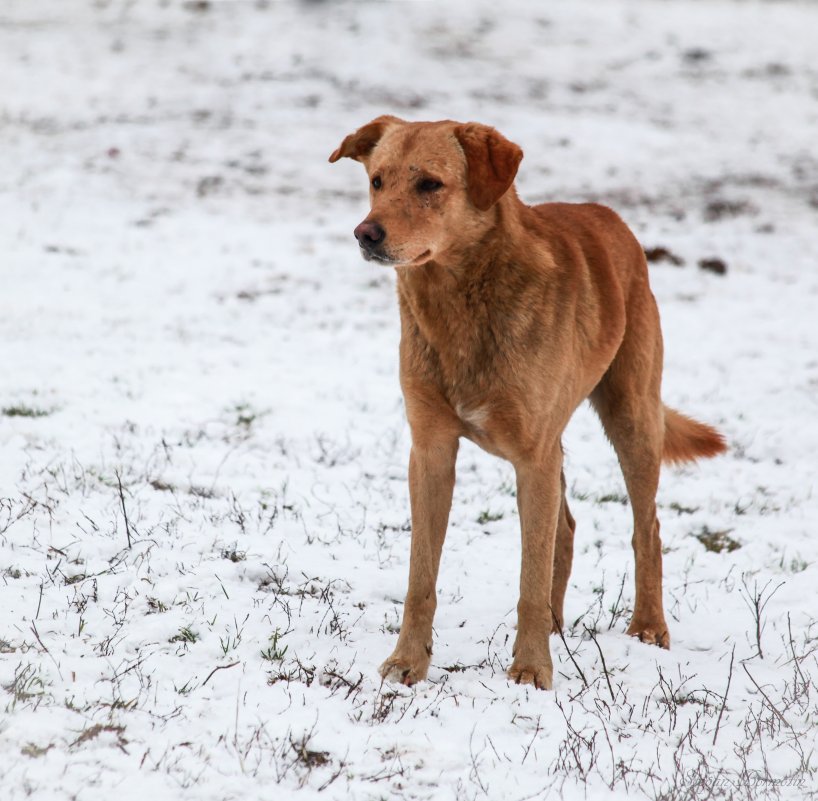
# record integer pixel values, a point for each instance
(359, 145)
(492, 163)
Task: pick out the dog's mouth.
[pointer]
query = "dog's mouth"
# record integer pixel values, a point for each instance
(378, 258)
(392, 261)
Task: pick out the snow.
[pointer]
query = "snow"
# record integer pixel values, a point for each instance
(185, 312)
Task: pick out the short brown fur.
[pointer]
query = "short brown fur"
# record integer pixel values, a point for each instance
(511, 316)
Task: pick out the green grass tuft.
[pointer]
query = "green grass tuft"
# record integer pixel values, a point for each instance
(20, 410)
(717, 541)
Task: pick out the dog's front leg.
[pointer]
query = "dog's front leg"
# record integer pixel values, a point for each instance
(538, 499)
(431, 483)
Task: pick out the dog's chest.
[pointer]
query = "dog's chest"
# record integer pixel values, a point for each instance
(465, 361)
(477, 353)
(474, 415)
(473, 374)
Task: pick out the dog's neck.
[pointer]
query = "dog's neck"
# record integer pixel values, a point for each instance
(460, 305)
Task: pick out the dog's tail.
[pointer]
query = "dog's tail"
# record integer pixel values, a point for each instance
(686, 439)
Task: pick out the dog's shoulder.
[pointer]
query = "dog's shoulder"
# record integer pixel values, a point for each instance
(591, 228)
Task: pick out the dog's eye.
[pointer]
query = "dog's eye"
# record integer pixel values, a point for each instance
(376, 182)
(429, 185)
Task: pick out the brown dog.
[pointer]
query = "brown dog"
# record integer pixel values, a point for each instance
(511, 316)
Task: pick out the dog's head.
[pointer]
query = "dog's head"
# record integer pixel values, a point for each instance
(433, 185)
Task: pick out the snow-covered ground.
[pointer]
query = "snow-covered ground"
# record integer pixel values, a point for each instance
(204, 514)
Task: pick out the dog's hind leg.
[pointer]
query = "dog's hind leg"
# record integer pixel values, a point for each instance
(563, 557)
(629, 405)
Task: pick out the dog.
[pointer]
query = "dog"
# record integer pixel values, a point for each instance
(511, 316)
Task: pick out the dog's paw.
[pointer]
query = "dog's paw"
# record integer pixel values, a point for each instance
(404, 671)
(541, 676)
(655, 633)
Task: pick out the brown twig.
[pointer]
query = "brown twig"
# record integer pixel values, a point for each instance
(602, 657)
(727, 690)
(39, 602)
(570, 655)
(767, 698)
(124, 510)
(42, 645)
(218, 667)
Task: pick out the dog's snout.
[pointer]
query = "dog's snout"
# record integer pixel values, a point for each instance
(369, 235)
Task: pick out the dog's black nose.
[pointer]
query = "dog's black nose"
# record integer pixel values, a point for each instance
(369, 235)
